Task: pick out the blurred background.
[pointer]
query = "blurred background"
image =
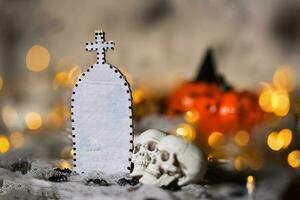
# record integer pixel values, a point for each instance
(160, 45)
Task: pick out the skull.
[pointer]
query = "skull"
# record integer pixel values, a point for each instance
(144, 149)
(175, 160)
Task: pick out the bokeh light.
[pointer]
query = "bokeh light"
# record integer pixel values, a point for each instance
(4, 144)
(63, 164)
(279, 140)
(287, 136)
(191, 116)
(37, 58)
(283, 79)
(138, 96)
(293, 159)
(239, 163)
(275, 100)
(250, 179)
(1, 82)
(68, 78)
(10, 117)
(215, 139)
(33, 120)
(187, 131)
(241, 138)
(274, 142)
(17, 140)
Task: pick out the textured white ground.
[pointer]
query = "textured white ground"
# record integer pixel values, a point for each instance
(34, 185)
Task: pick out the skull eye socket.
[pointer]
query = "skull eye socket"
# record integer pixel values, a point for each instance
(164, 155)
(137, 148)
(151, 146)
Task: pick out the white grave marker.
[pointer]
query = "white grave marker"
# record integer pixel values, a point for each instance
(102, 123)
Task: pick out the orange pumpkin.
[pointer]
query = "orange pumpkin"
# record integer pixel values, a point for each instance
(219, 107)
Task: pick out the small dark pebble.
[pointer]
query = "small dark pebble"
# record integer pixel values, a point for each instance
(65, 170)
(150, 198)
(97, 181)
(124, 181)
(22, 166)
(58, 178)
(172, 187)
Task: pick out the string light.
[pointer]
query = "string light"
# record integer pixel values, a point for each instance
(215, 139)
(186, 131)
(33, 120)
(37, 58)
(17, 140)
(241, 138)
(4, 144)
(293, 159)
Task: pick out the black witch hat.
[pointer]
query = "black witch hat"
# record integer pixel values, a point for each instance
(207, 71)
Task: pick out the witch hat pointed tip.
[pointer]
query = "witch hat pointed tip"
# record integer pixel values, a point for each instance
(207, 71)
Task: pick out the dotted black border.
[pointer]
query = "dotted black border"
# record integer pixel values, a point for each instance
(128, 91)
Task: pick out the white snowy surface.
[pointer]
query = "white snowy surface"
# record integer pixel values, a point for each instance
(34, 185)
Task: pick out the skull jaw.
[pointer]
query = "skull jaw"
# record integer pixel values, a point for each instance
(163, 180)
(137, 172)
(140, 164)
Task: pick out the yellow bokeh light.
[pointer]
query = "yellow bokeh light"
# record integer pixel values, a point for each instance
(215, 139)
(191, 116)
(280, 140)
(250, 179)
(17, 140)
(9, 116)
(275, 100)
(58, 116)
(72, 153)
(287, 136)
(239, 163)
(1, 82)
(265, 100)
(37, 58)
(293, 159)
(67, 79)
(63, 164)
(281, 103)
(274, 141)
(241, 138)
(187, 131)
(4, 144)
(138, 96)
(283, 79)
(33, 120)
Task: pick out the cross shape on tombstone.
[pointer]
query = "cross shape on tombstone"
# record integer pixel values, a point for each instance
(100, 46)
